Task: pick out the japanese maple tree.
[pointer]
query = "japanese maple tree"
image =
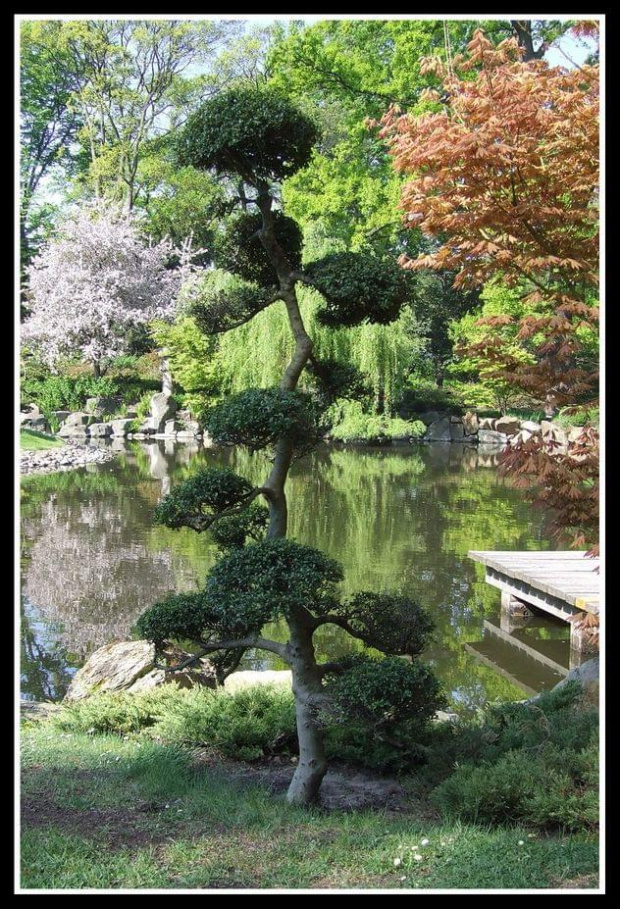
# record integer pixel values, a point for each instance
(504, 174)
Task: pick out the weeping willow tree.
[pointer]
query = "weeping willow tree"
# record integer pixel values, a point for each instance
(256, 138)
(255, 354)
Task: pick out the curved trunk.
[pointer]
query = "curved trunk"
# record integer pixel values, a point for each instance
(307, 679)
(312, 766)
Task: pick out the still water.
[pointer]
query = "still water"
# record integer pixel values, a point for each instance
(399, 519)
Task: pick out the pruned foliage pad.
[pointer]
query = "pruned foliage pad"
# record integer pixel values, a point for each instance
(201, 497)
(239, 248)
(258, 417)
(393, 624)
(358, 287)
(253, 132)
(219, 302)
(267, 579)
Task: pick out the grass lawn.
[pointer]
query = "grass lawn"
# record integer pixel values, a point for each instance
(105, 812)
(30, 440)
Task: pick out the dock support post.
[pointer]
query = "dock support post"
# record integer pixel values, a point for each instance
(514, 614)
(582, 645)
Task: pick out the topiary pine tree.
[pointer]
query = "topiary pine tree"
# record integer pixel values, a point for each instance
(256, 138)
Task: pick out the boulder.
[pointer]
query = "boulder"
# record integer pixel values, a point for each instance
(147, 426)
(428, 417)
(456, 432)
(192, 426)
(130, 666)
(487, 423)
(470, 424)
(61, 415)
(522, 436)
(172, 427)
(574, 432)
(508, 425)
(119, 427)
(100, 429)
(490, 437)
(38, 424)
(163, 408)
(74, 430)
(531, 426)
(101, 405)
(247, 677)
(78, 418)
(439, 430)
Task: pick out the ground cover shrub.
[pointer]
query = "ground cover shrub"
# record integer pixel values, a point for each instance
(530, 763)
(352, 423)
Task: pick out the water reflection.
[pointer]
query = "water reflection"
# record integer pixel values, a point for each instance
(400, 519)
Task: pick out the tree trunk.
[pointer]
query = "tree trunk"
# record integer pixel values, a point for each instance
(96, 369)
(312, 766)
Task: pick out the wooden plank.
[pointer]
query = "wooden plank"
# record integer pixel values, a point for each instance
(479, 555)
(561, 609)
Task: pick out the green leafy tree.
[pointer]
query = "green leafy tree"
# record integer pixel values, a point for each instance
(257, 138)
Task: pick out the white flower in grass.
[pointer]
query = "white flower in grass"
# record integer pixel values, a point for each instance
(397, 862)
(520, 843)
(424, 842)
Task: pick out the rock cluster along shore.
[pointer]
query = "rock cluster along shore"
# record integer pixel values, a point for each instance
(68, 457)
(164, 422)
(500, 431)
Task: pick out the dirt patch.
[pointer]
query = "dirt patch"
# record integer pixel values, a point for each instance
(344, 788)
(583, 882)
(117, 827)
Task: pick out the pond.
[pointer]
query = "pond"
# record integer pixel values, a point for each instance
(399, 519)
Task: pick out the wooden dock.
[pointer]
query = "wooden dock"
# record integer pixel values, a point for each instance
(561, 584)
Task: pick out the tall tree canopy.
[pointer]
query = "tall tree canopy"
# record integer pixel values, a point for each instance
(504, 172)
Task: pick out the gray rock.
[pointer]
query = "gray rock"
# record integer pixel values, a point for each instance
(147, 426)
(130, 666)
(191, 426)
(531, 426)
(490, 437)
(248, 677)
(78, 418)
(508, 425)
(439, 430)
(487, 423)
(522, 436)
(455, 418)
(163, 408)
(574, 432)
(428, 417)
(73, 431)
(470, 424)
(100, 429)
(119, 427)
(456, 432)
(38, 424)
(172, 427)
(550, 431)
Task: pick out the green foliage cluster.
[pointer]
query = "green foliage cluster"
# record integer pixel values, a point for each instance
(72, 392)
(421, 395)
(233, 532)
(358, 287)
(336, 380)
(243, 725)
(218, 301)
(350, 423)
(258, 417)
(395, 624)
(240, 251)
(265, 580)
(379, 712)
(206, 493)
(532, 763)
(252, 132)
(193, 361)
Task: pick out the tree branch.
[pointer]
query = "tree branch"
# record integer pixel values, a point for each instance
(244, 643)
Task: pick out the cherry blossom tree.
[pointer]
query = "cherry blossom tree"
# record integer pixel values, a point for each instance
(96, 280)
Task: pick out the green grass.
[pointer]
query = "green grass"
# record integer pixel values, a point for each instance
(30, 440)
(106, 812)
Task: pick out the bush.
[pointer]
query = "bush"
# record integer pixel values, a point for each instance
(352, 424)
(72, 392)
(532, 763)
(243, 725)
(422, 396)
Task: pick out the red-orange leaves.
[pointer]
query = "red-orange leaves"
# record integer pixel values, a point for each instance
(506, 177)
